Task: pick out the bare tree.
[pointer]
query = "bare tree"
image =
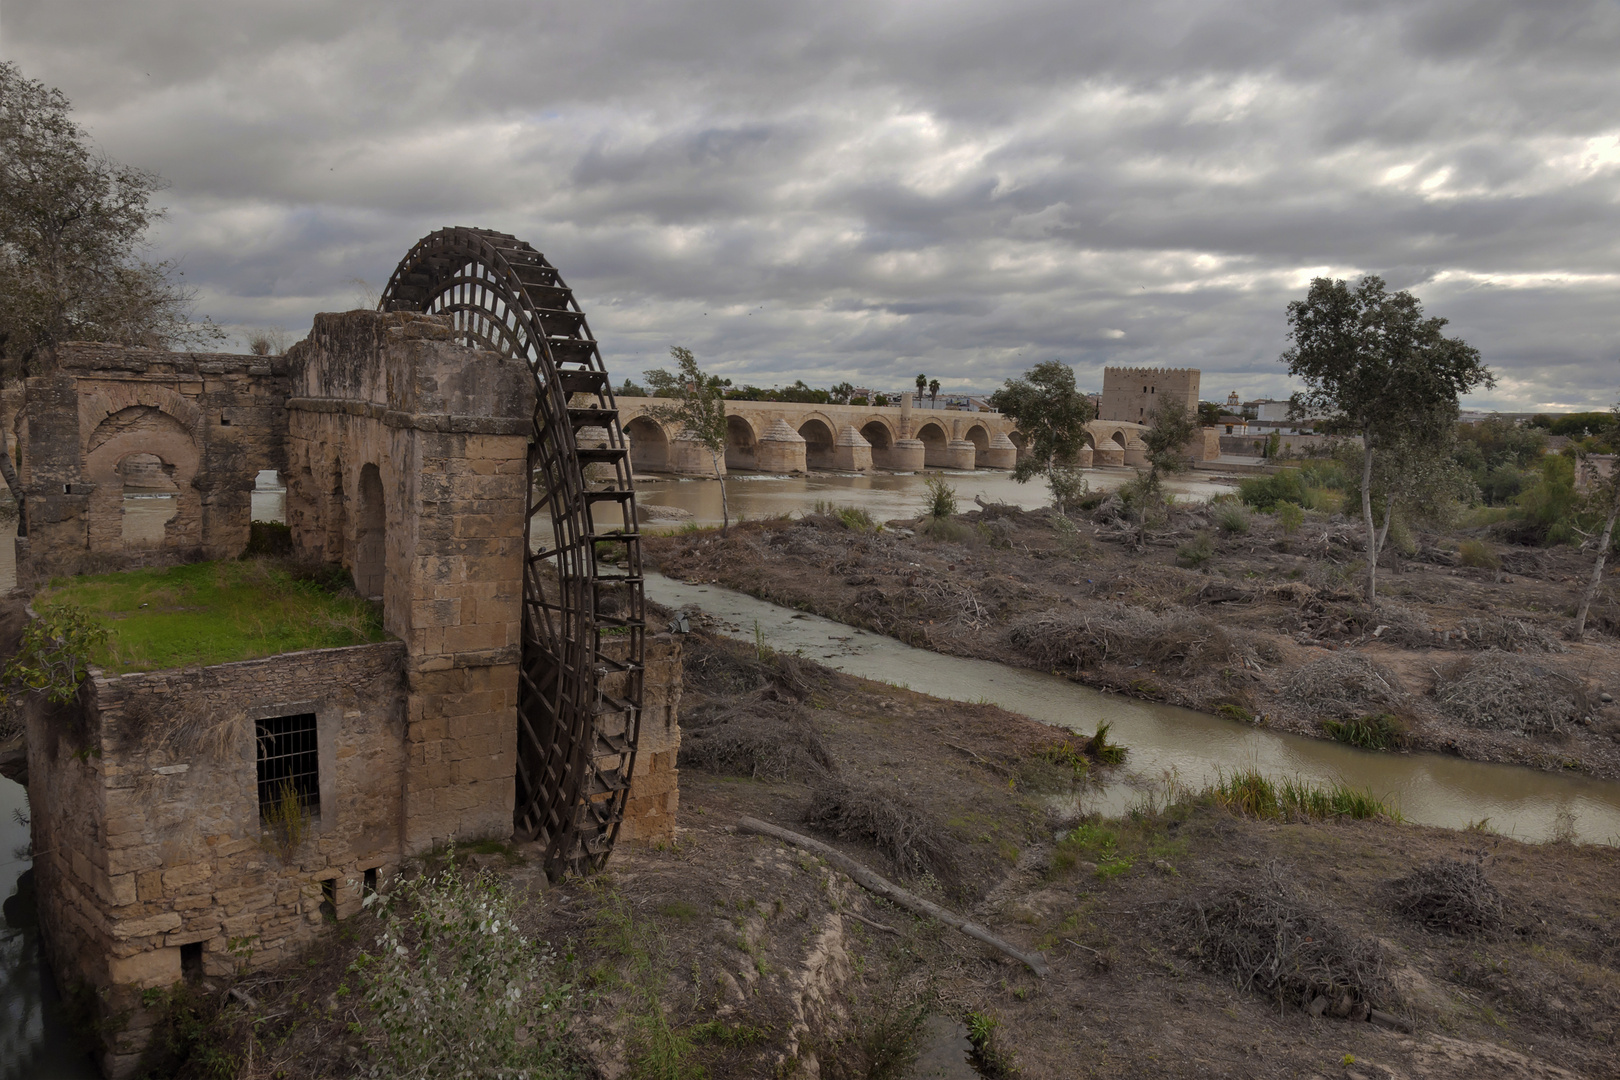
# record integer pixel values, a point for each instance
(1604, 496)
(72, 226)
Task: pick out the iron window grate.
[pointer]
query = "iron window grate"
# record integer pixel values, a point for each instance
(288, 755)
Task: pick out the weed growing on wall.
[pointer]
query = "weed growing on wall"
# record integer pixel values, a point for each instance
(458, 990)
(286, 821)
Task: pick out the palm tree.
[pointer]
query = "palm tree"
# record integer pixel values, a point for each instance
(933, 391)
(922, 385)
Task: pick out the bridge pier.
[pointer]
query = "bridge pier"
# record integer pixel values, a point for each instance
(689, 457)
(906, 455)
(1002, 453)
(851, 452)
(781, 449)
(961, 454)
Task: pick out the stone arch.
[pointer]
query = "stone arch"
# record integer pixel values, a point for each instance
(109, 400)
(817, 433)
(144, 431)
(149, 490)
(649, 444)
(370, 567)
(935, 441)
(979, 436)
(742, 444)
(878, 433)
(1118, 436)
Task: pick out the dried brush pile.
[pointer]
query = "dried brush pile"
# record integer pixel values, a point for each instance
(1509, 635)
(760, 737)
(1402, 625)
(1078, 640)
(1451, 895)
(1346, 685)
(1509, 692)
(1264, 936)
(912, 840)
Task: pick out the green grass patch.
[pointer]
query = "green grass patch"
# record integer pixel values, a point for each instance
(1381, 731)
(1251, 793)
(214, 613)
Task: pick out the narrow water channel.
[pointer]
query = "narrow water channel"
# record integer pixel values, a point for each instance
(1430, 789)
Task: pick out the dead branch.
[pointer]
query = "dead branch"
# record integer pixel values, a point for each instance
(881, 886)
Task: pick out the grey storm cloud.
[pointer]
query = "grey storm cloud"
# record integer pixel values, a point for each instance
(864, 191)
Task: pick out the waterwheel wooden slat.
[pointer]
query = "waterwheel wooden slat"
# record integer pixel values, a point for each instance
(584, 617)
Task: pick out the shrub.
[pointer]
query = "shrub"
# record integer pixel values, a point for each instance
(1289, 517)
(1479, 554)
(1377, 731)
(454, 981)
(268, 538)
(1265, 492)
(856, 519)
(1195, 552)
(940, 502)
(1232, 519)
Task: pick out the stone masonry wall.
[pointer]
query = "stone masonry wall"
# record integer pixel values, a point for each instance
(213, 419)
(442, 432)
(147, 820)
(1131, 394)
(655, 796)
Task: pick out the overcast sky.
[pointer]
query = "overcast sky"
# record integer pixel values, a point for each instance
(867, 190)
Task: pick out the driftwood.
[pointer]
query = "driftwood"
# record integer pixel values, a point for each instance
(887, 889)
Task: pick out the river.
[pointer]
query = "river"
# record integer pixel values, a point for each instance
(1429, 789)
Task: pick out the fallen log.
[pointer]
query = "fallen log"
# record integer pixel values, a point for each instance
(881, 886)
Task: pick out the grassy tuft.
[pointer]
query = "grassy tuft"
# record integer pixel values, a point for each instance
(1251, 793)
(213, 613)
(1379, 731)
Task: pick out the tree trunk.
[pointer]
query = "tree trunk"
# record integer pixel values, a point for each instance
(1389, 516)
(1367, 518)
(1602, 557)
(725, 508)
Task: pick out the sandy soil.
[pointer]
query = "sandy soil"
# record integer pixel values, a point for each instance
(771, 964)
(1234, 633)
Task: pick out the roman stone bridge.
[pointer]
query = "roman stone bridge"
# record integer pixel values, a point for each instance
(784, 437)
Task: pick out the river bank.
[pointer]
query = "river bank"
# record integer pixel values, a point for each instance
(1259, 625)
(732, 953)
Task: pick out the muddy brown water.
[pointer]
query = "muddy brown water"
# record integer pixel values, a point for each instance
(884, 495)
(1167, 741)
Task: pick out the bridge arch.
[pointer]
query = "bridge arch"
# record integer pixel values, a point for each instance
(979, 436)
(819, 435)
(935, 440)
(649, 444)
(742, 444)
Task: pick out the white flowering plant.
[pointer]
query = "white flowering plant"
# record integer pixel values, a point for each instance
(458, 990)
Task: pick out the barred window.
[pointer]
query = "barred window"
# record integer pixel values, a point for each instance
(288, 762)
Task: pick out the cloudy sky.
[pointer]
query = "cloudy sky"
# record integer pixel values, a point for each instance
(868, 190)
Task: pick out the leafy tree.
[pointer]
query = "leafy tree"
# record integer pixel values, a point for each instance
(630, 389)
(52, 659)
(1170, 427)
(1372, 359)
(1053, 415)
(841, 393)
(662, 383)
(72, 225)
(702, 415)
(1209, 414)
(880, 400)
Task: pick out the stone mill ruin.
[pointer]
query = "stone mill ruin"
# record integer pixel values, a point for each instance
(459, 453)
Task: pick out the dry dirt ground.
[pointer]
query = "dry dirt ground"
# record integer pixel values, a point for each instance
(1261, 626)
(753, 959)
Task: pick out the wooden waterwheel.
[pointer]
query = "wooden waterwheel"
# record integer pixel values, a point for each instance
(584, 616)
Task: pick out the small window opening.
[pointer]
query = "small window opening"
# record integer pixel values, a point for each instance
(289, 766)
(369, 885)
(191, 962)
(269, 497)
(329, 899)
